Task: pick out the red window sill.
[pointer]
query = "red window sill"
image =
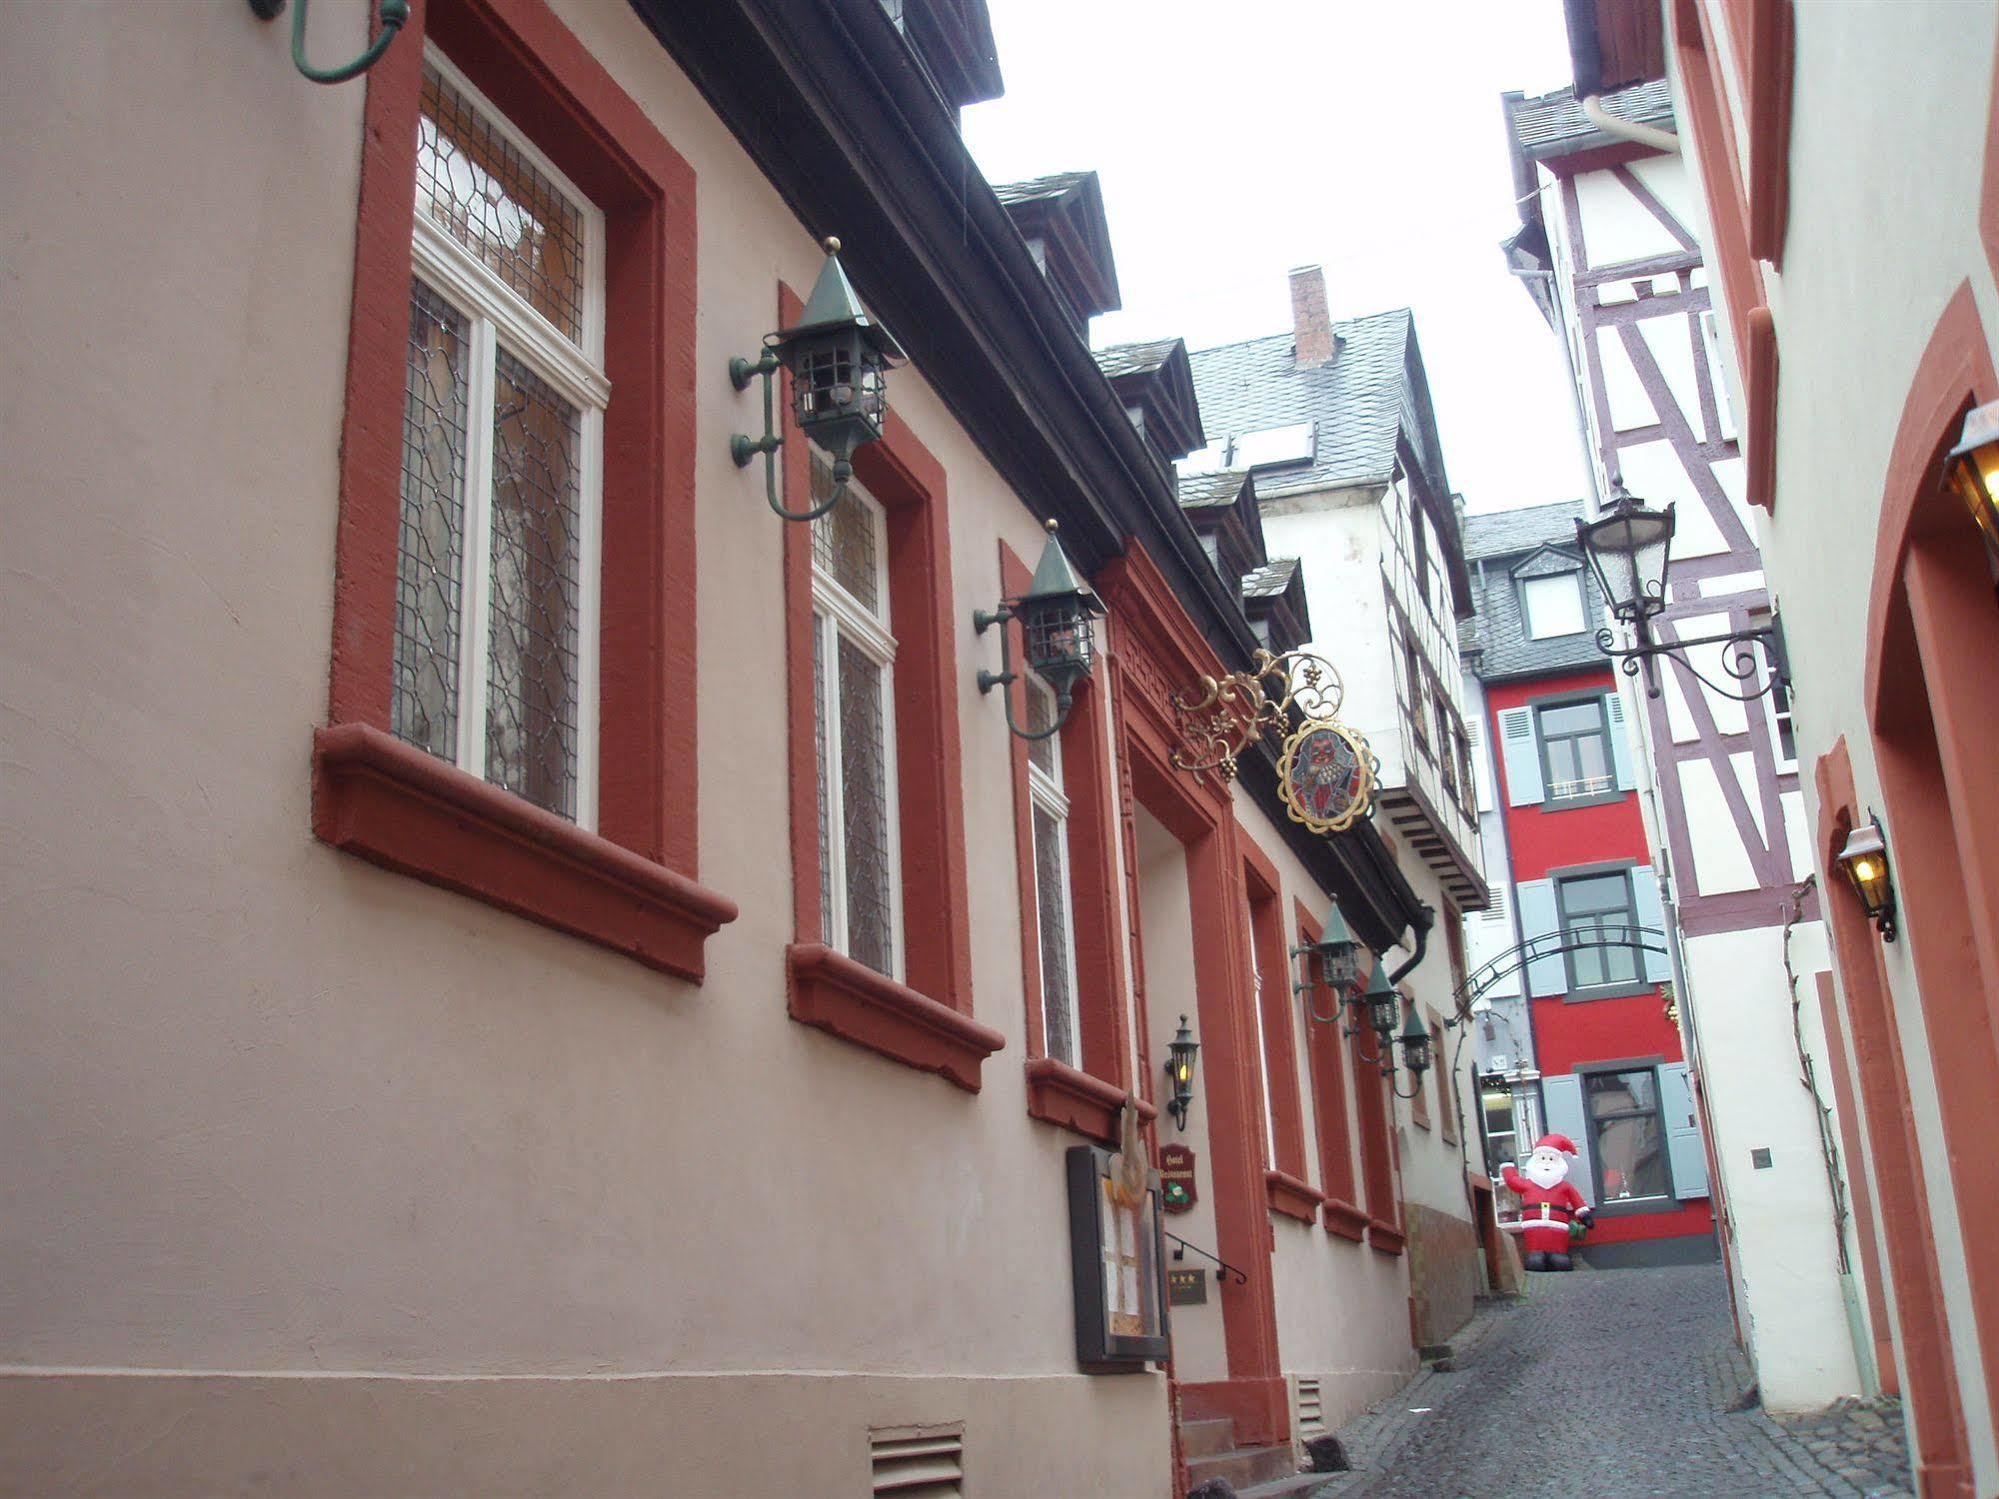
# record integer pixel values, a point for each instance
(1385, 1237)
(1346, 1220)
(1076, 1100)
(1292, 1197)
(395, 805)
(849, 999)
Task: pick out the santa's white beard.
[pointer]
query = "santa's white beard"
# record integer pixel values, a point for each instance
(1546, 1174)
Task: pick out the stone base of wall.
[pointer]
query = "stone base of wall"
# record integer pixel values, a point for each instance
(166, 1435)
(1444, 1272)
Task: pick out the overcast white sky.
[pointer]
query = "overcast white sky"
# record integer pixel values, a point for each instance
(1238, 140)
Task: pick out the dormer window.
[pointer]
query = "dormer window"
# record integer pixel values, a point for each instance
(1552, 605)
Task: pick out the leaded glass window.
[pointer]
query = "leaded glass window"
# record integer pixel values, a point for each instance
(853, 658)
(495, 658)
(1050, 816)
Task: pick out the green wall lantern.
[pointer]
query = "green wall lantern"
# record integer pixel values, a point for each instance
(1180, 1073)
(1338, 956)
(837, 356)
(1057, 617)
(1382, 1004)
(1415, 1043)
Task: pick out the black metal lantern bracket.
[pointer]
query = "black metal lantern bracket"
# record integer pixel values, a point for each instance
(1635, 542)
(1055, 613)
(1327, 952)
(836, 352)
(391, 16)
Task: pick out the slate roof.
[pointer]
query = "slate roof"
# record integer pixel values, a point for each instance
(1271, 579)
(1134, 359)
(1038, 189)
(1533, 541)
(1551, 123)
(1217, 490)
(1358, 399)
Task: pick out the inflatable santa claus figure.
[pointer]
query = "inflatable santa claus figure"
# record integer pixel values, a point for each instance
(1548, 1204)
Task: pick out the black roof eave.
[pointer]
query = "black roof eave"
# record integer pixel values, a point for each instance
(833, 108)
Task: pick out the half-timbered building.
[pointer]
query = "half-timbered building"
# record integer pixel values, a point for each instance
(1610, 250)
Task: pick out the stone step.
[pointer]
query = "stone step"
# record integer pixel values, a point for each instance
(1285, 1488)
(1208, 1437)
(1244, 1466)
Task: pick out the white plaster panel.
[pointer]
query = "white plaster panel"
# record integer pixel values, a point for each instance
(1653, 471)
(1667, 180)
(1721, 863)
(1797, 833)
(1679, 721)
(1670, 340)
(1729, 584)
(1730, 716)
(1617, 293)
(1623, 393)
(1616, 226)
(1743, 765)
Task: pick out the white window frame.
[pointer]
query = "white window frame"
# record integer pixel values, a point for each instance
(1774, 717)
(1575, 584)
(496, 314)
(837, 614)
(1047, 794)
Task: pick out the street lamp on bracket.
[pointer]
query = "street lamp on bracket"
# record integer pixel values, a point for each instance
(1629, 548)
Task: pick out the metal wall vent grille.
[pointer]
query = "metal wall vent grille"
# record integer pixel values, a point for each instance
(918, 1462)
(1311, 1413)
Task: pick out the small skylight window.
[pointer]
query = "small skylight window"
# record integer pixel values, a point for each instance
(1209, 460)
(1275, 445)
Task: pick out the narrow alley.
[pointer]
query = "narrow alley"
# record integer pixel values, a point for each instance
(1616, 1384)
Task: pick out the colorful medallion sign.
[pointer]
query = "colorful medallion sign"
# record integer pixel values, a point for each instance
(1326, 777)
(1176, 1178)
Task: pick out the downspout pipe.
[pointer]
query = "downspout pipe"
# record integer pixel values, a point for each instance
(1628, 130)
(1426, 917)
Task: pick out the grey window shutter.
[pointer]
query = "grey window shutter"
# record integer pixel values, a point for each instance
(1522, 754)
(1651, 913)
(1538, 917)
(1562, 1103)
(1684, 1151)
(1620, 740)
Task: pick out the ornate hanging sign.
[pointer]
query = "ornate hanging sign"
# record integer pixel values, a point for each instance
(1326, 775)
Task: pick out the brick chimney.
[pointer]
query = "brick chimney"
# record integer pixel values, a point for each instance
(1311, 325)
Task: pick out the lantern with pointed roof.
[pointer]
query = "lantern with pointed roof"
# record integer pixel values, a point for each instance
(1057, 614)
(837, 354)
(1382, 1004)
(1337, 953)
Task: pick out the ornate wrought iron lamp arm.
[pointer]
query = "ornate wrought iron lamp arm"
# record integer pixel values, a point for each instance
(391, 16)
(984, 619)
(1739, 661)
(743, 449)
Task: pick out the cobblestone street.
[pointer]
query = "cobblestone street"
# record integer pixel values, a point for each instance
(1615, 1384)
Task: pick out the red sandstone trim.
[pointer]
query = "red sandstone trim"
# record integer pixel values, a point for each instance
(1894, 1159)
(537, 73)
(1270, 948)
(394, 805)
(1292, 1197)
(1873, 1282)
(1771, 27)
(1346, 1220)
(1059, 1094)
(1256, 1403)
(850, 1000)
(1385, 1237)
(1328, 1073)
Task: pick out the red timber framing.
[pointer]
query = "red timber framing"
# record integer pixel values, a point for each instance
(1084, 1098)
(1929, 1377)
(1325, 1049)
(1269, 949)
(1932, 695)
(631, 885)
(1737, 243)
(927, 1022)
(1691, 422)
(1155, 650)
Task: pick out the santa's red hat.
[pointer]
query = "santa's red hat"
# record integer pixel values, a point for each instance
(1556, 1142)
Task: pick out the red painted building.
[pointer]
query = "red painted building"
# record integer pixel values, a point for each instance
(1591, 1039)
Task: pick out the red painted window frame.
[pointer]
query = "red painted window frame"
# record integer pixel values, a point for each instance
(1342, 1214)
(1754, 331)
(631, 885)
(1084, 1098)
(926, 1022)
(1377, 1161)
(1270, 949)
